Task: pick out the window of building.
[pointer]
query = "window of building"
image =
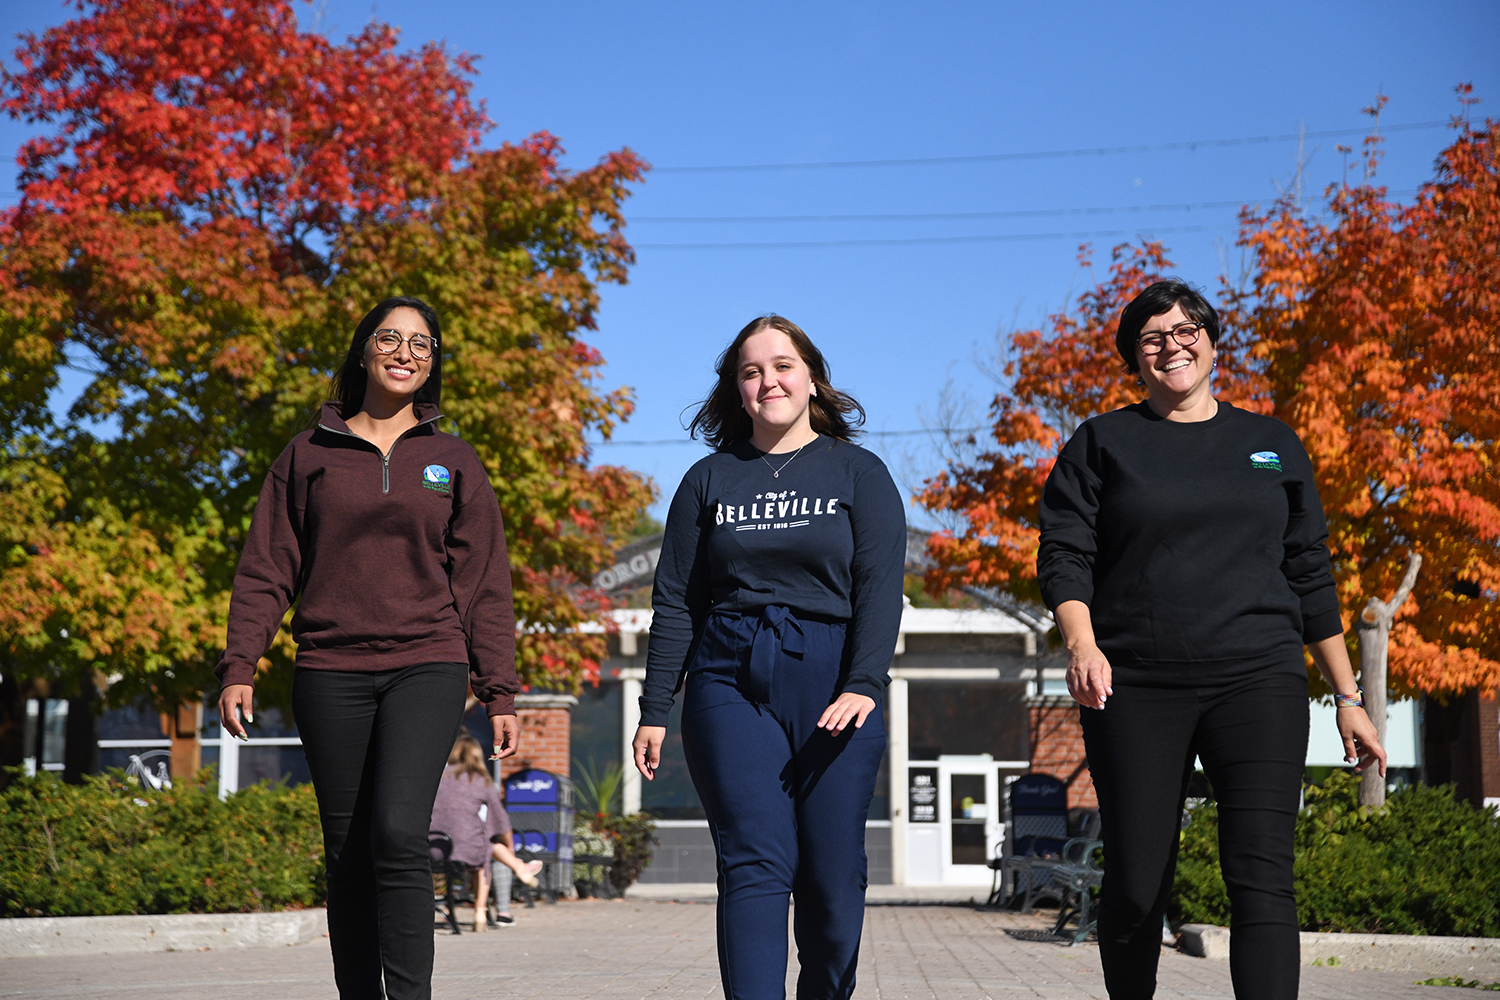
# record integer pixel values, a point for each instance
(597, 742)
(967, 717)
(671, 794)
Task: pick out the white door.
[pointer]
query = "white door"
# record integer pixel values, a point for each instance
(969, 820)
(924, 829)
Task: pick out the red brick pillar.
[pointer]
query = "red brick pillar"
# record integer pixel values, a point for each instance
(1057, 746)
(1488, 725)
(546, 729)
(182, 726)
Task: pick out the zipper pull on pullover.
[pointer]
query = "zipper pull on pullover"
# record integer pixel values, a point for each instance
(385, 456)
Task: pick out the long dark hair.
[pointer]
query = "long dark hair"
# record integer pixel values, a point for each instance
(349, 381)
(721, 418)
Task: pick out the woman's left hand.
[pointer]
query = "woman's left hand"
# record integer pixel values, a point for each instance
(846, 707)
(507, 736)
(1361, 744)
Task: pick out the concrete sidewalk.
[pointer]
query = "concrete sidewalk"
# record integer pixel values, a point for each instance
(875, 895)
(641, 948)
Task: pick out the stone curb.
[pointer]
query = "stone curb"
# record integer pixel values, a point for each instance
(57, 936)
(1390, 952)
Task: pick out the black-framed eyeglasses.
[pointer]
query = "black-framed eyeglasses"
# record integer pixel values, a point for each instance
(389, 342)
(1186, 335)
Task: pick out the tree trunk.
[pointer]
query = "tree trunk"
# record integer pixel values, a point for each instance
(1374, 630)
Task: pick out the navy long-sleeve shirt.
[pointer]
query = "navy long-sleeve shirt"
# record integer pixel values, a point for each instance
(826, 538)
(1200, 548)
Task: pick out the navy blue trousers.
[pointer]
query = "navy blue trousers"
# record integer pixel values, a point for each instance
(786, 801)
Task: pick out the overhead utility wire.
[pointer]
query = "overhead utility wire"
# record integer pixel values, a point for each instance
(917, 216)
(873, 434)
(999, 238)
(1019, 213)
(1046, 154)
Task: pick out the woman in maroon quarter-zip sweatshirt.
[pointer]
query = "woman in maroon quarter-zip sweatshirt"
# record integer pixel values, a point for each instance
(386, 533)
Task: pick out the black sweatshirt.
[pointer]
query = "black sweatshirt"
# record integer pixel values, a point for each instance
(397, 559)
(826, 538)
(1200, 548)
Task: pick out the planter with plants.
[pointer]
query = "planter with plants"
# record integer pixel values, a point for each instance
(628, 840)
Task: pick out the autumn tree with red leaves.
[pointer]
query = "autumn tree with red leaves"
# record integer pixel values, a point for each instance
(216, 200)
(1372, 332)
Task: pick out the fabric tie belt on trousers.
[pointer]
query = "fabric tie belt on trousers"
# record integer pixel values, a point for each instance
(777, 630)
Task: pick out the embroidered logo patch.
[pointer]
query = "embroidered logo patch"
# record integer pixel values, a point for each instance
(436, 478)
(1266, 460)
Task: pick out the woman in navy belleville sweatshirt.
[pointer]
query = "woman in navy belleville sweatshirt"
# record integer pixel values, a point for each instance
(1183, 552)
(386, 534)
(776, 608)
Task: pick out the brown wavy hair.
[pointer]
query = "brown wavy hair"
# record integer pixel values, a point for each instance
(722, 419)
(467, 757)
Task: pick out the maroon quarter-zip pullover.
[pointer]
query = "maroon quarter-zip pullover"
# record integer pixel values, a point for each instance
(394, 560)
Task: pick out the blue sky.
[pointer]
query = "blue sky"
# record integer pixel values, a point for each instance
(694, 84)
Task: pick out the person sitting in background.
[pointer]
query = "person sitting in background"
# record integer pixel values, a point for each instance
(469, 811)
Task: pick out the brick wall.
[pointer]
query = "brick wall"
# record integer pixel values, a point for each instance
(1461, 744)
(546, 726)
(1487, 705)
(1057, 747)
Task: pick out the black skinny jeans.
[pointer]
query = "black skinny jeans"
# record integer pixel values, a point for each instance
(376, 744)
(1252, 739)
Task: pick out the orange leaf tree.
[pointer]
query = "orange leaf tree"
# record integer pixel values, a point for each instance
(1371, 332)
(217, 199)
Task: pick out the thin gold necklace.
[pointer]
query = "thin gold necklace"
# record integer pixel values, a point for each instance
(775, 472)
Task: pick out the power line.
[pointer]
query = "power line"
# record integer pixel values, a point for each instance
(873, 434)
(917, 216)
(997, 238)
(1186, 206)
(1193, 144)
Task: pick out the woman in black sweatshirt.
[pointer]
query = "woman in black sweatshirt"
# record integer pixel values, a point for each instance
(386, 533)
(776, 607)
(1183, 552)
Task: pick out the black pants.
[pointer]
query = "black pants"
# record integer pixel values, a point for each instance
(1252, 739)
(376, 744)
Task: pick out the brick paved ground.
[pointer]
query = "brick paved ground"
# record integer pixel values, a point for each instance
(665, 951)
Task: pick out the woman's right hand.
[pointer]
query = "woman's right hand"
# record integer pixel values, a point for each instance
(647, 747)
(235, 696)
(1090, 679)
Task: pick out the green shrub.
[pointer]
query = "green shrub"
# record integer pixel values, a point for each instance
(1425, 863)
(108, 846)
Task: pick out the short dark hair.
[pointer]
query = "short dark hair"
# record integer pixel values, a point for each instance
(722, 420)
(349, 381)
(1159, 297)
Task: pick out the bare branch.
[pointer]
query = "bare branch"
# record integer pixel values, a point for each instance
(1407, 582)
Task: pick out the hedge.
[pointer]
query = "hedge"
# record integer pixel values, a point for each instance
(1424, 863)
(108, 847)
